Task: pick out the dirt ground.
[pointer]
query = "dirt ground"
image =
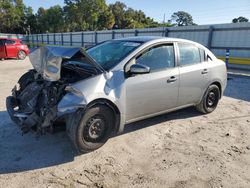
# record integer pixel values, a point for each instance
(180, 149)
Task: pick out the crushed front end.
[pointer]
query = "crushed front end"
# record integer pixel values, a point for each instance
(35, 99)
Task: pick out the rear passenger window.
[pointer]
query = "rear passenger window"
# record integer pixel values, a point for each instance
(189, 54)
(203, 55)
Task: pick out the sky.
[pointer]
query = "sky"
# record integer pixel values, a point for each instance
(203, 12)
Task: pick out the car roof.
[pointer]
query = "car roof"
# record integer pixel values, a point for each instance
(145, 39)
(10, 39)
(139, 38)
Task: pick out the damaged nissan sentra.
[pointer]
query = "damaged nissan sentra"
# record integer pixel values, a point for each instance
(97, 91)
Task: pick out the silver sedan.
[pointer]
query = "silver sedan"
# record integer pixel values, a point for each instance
(97, 91)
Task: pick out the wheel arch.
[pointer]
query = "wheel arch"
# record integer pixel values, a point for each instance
(112, 106)
(214, 82)
(217, 83)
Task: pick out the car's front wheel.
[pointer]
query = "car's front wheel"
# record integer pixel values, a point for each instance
(91, 129)
(21, 55)
(210, 100)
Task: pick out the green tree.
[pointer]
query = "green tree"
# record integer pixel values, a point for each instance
(106, 20)
(118, 10)
(87, 15)
(130, 18)
(42, 24)
(182, 18)
(50, 20)
(30, 23)
(76, 15)
(55, 19)
(13, 16)
(240, 19)
(9, 18)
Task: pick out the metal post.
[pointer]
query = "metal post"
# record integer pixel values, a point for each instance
(82, 39)
(54, 38)
(210, 37)
(96, 38)
(136, 32)
(71, 39)
(32, 40)
(166, 32)
(47, 38)
(113, 34)
(37, 41)
(62, 42)
(227, 56)
(27, 39)
(42, 38)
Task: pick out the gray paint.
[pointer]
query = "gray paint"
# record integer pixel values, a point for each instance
(146, 95)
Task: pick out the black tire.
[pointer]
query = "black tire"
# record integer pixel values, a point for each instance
(21, 55)
(210, 100)
(91, 129)
(27, 78)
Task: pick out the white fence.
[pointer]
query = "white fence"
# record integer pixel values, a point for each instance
(218, 38)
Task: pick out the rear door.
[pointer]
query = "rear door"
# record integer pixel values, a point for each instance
(11, 48)
(194, 73)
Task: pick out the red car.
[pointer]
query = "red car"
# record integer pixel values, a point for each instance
(13, 48)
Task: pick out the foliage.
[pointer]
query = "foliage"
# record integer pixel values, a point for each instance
(240, 19)
(130, 18)
(88, 15)
(77, 15)
(182, 18)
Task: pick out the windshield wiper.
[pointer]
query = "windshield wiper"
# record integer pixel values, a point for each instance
(92, 60)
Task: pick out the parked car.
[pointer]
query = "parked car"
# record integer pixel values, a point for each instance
(96, 92)
(13, 48)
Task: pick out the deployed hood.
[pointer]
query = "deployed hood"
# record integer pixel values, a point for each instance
(47, 60)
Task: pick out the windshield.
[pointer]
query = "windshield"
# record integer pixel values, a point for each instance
(110, 53)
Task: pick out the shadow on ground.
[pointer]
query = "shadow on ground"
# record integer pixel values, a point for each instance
(23, 153)
(180, 114)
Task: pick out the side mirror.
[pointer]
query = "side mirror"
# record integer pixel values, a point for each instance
(139, 69)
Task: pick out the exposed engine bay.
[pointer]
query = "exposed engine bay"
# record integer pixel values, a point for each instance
(34, 100)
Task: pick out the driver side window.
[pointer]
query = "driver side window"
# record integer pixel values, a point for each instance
(10, 42)
(158, 58)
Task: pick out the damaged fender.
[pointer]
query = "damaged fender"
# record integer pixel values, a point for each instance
(71, 102)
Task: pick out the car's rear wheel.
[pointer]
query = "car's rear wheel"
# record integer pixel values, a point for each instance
(21, 55)
(210, 100)
(91, 129)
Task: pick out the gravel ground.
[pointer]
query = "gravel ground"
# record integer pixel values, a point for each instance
(180, 149)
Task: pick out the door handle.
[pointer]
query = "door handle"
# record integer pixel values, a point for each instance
(171, 79)
(205, 71)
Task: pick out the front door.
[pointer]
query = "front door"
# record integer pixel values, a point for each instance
(156, 91)
(11, 48)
